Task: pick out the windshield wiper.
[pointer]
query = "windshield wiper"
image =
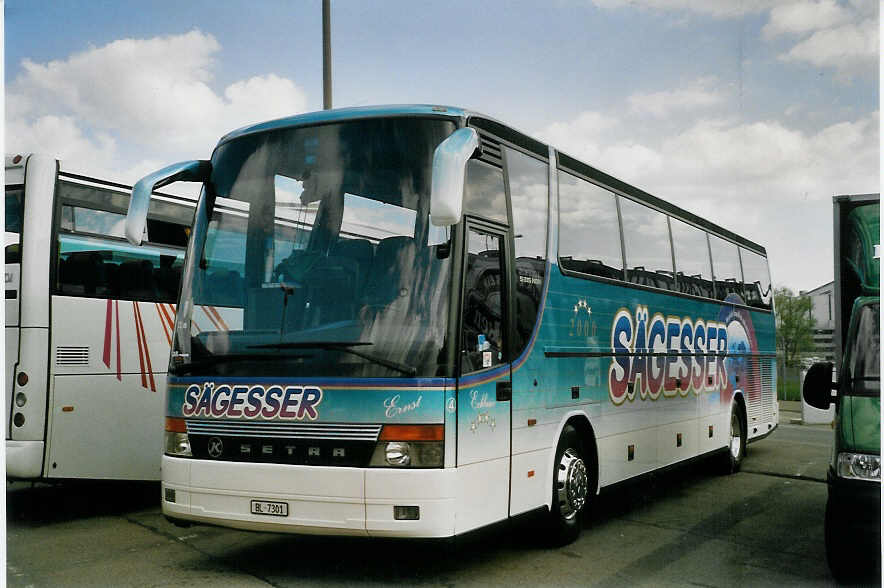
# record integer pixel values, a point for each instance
(216, 359)
(345, 347)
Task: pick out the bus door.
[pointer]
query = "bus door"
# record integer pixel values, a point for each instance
(485, 385)
(12, 282)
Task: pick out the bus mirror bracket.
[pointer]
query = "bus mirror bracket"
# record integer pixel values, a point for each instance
(818, 386)
(136, 217)
(449, 170)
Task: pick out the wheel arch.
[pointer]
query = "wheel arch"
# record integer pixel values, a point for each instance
(581, 422)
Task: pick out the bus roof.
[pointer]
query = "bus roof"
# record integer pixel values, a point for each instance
(505, 132)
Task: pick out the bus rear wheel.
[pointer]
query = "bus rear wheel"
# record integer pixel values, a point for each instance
(736, 447)
(570, 488)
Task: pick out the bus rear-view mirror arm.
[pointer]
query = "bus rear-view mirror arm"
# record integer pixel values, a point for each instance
(136, 217)
(449, 169)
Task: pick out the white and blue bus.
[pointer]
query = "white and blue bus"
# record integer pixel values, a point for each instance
(437, 323)
(89, 322)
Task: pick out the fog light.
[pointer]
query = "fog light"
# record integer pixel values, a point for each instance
(406, 513)
(20, 399)
(18, 419)
(398, 454)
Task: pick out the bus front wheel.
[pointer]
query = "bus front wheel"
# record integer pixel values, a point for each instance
(570, 488)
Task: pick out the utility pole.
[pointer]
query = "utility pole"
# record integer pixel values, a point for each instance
(326, 55)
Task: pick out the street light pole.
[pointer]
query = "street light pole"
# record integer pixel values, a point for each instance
(326, 55)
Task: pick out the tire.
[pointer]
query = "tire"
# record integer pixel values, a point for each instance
(842, 560)
(736, 447)
(572, 483)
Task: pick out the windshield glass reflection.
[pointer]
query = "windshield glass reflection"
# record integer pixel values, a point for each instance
(319, 258)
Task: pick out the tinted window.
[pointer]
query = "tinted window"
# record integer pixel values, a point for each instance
(15, 202)
(529, 191)
(484, 193)
(98, 268)
(756, 279)
(726, 268)
(589, 237)
(648, 254)
(94, 260)
(692, 264)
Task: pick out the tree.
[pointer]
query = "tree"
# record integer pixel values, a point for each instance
(795, 324)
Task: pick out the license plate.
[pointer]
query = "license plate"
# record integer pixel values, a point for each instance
(274, 509)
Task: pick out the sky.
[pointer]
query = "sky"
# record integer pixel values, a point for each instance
(749, 113)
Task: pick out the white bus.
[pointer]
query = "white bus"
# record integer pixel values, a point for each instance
(88, 324)
(455, 325)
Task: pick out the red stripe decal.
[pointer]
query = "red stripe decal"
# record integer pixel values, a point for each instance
(119, 362)
(140, 348)
(169, 312)
(211, 318)
(108, 323)
(220, 320)
(159, 308)
(153, 386)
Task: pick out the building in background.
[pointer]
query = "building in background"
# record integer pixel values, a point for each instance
(822, 309)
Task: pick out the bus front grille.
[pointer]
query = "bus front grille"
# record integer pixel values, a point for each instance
(343, 445)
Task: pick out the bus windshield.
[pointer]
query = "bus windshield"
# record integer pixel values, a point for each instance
(318, 257)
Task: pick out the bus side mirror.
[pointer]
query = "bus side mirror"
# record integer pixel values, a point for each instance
(818, 386)
(449, 169)
(136, 217)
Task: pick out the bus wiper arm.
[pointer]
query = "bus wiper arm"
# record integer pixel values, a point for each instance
(216, 359)
(343, 346)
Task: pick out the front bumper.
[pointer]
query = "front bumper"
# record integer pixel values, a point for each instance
(24, 459)
(855, 507)
(321, 500)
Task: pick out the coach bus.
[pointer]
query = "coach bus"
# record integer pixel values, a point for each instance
(88, 323)
(464, 325)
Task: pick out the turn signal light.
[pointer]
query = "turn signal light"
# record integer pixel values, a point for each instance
(412, 433)
(174, 425)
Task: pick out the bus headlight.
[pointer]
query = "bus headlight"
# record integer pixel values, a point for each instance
(859, 466)
(416, 446)
(177, 443)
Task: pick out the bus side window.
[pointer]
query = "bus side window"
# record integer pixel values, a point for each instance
(692, 265)
(648, 250)
(756, 279)
(484, 193)
(726, 268)
(95, 260)
(529, 192)
(589, 238)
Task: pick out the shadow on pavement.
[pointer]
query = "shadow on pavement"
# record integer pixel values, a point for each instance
(35, 504)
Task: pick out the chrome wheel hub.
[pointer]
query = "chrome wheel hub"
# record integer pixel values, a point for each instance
(571, 484)
(736, 436)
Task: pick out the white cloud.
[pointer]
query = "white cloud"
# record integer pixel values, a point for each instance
(764, 180)
(842, 36)
(687, 98)
(153, 95)
(851, 48)
(805, 17)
